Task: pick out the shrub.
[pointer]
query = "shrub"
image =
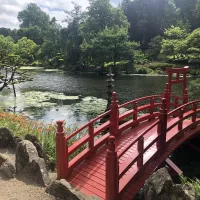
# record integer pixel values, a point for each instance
(139, 69)
(160, 66)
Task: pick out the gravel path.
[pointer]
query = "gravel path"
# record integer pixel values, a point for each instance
(15, 189)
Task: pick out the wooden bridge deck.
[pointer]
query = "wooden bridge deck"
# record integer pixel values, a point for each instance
(89, 176)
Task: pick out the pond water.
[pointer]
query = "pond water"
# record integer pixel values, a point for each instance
(55, 96)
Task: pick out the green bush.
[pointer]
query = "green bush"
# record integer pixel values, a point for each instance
(139, 69)
(160, 66)
(195, 182)
(36, 63)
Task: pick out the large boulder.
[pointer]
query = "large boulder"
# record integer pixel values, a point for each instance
(6, 166)
(161, 187)
(63, 190)
(30, 165)
(40, 150)
(37, 172)
(25, 153)
(6, 137)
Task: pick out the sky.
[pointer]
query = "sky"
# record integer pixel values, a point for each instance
(55, 8)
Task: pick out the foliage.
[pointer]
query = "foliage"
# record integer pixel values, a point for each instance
(174, 43)
(20, 125)
(134, 31)
(195, 182)
(155, 47)
(194, 88)
(25, 48)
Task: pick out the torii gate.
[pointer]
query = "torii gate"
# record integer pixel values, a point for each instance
(178, 80)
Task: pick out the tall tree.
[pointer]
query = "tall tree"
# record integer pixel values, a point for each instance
(73, 39)
(149, 18)
(33, 16)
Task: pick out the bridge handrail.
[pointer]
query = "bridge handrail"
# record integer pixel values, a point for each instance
(87, 125)
(139, 100)
(120, 154)
(182, 107)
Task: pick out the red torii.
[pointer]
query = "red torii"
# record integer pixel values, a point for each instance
(176, 72)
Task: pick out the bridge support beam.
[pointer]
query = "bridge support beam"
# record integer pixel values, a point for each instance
(112, 171)
(173, 169)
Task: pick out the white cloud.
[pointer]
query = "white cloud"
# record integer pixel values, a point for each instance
(55, 8)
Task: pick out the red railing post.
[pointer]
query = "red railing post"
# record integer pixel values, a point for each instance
(180, 124)
(140, 151)
(112, 171)
(114, 116)
(167, 96)
(151, 108)
(61, 152)
(162, 126)
(194, 116)
(91, 134)
(135, 113)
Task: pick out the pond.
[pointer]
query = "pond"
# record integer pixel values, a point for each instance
(55, 96)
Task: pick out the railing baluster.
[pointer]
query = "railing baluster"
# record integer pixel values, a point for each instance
(162, 126)
(140, 151)
(135, 106)
(180, 124)
(91, 134)
(194, 116)
(112, 170)
(61, 152)
(176, 103)
(152, 101)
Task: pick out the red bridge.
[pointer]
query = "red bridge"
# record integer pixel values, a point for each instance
(113, 160)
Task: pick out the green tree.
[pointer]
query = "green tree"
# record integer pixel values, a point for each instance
(149, 18)
(26, 49)
(155, 47)
(193, 46)
(174, 45)
(104, 31)
(73, 39)
(33, 16)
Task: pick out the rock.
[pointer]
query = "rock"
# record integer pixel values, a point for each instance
(6, 166)
(37, 172)
(161, 187)
(6, 137)
(25, 153)
(184, 192)
(16, 140)
(63, 190)
(160, 182)
(3, 158)
(8, 169)
(40, 150)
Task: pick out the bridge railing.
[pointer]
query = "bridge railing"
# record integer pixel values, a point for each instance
(159, 143)
(142, 109)
(86, 145)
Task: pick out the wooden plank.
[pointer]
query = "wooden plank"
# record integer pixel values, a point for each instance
(82, 186)
(87, 175)
(173, 166)
(88, 181)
